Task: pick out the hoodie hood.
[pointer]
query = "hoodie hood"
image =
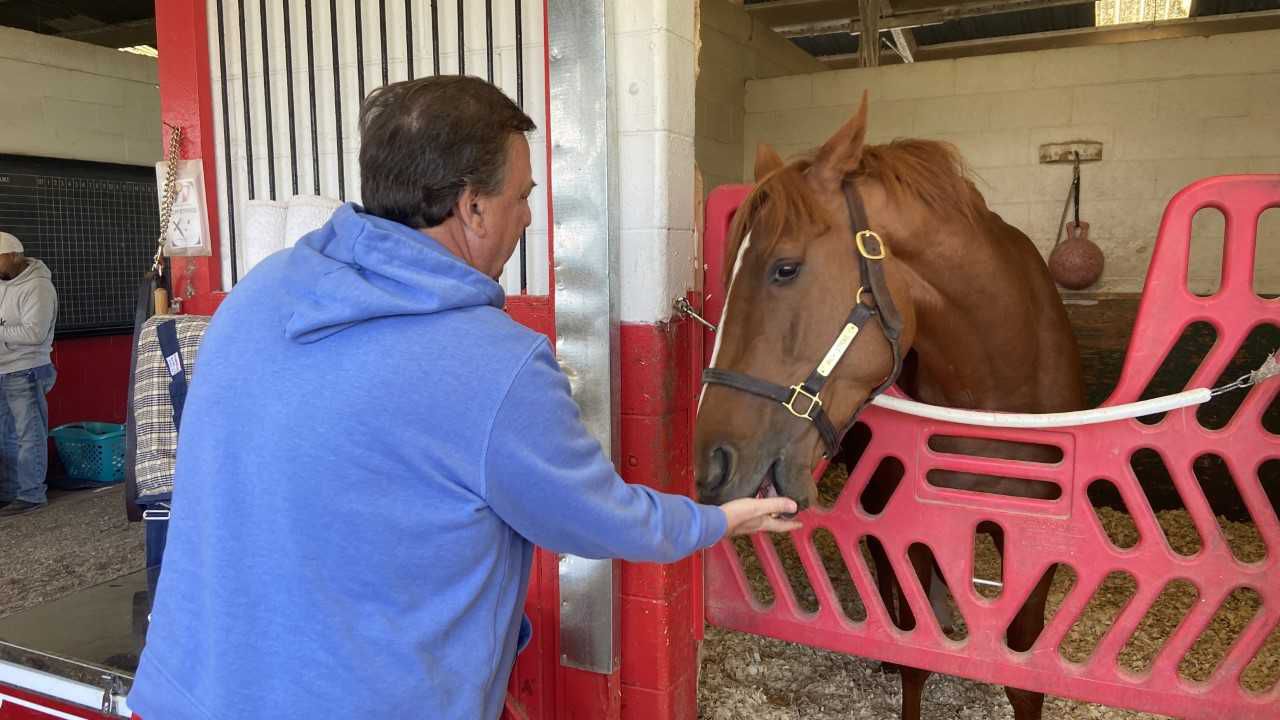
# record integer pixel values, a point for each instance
(359, 267)
(35, 269)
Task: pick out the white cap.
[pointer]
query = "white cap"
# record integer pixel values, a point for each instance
(9, 244)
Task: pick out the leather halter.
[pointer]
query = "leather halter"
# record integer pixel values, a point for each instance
(804, 400)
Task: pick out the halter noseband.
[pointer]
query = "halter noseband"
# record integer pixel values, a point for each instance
(804, 400)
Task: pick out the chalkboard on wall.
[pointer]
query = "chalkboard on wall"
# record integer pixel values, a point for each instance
(94, 224)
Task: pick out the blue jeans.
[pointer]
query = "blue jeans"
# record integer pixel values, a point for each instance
(24, 447)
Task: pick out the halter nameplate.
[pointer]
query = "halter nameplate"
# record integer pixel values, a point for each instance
(838, 349)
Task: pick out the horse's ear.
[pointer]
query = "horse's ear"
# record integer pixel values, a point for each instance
(767, 160)
(841, 154)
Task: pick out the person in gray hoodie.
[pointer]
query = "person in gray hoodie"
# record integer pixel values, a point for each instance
(28, 308)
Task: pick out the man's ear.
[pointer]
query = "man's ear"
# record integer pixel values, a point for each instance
(469, 211)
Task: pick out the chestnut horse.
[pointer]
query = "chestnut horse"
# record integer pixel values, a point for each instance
(952, 296)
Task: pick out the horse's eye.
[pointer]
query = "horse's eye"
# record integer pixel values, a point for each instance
(785, 272)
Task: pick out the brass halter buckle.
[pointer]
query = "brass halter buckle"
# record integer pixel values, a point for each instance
(861, 240)
(797, 392)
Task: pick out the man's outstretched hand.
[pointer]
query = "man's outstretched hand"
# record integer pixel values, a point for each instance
(749, 515)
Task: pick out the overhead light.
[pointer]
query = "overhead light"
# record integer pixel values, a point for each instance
(1122, 12)
(140, 50)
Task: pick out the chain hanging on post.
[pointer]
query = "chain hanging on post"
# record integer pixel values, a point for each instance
(170, 194)
(161, 298)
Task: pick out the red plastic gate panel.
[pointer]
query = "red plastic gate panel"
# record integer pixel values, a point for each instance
(1039, 534)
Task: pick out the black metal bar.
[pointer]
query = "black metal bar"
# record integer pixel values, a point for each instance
(408, 37)
(311, 82)
(288, 81)
(382, 26)
(226, 143)
(266, 96)
(488, 37)
(519, 56)
(337, 98)
(462, 41)
(244, 88)
(524, 252)
(435, 38)
(360, 48)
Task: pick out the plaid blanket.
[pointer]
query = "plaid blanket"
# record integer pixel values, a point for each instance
(152, 407)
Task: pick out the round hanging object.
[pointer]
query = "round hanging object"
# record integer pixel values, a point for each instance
(1076, 263)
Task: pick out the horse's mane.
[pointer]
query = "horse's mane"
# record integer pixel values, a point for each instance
(927, 172)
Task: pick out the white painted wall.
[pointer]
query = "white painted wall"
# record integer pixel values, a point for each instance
(327, 132)
(66, 99)
(1168, 112)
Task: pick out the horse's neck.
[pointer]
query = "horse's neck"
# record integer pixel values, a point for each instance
(979, 328)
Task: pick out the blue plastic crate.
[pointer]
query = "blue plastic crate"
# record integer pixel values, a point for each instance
(91, 451)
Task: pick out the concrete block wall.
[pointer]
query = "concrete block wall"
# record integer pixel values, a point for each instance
(1167, 112)
(733, 48)
(68, 99)
(653, 72)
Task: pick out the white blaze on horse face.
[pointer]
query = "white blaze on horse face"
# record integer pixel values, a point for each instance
(724, 313)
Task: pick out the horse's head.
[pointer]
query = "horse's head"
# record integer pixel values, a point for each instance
(794, 276)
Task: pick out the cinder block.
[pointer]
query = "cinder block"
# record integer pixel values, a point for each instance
(1029, 109)
(71, 116)
(1242, 137)
(1173, 175)
(23, 78)
(1209, 97)
(989, 149)
(887, 120)
(1264, 92)
(957, 113)
(1259, 52)
(918, 80)
(1071, 67)
(845, 87)
(994, 73)
(1264, 164)
(1161, 59)
(783, 93)
(1163, 139)
(1122, 103)
(1134, 180)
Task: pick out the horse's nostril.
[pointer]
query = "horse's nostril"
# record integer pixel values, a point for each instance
(719, 467)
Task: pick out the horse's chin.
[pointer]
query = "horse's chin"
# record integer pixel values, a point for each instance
(789, 480)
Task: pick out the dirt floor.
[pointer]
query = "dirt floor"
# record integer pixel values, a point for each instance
(745, 676)
(81, 538)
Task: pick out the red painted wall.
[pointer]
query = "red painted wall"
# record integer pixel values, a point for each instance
(93, 376)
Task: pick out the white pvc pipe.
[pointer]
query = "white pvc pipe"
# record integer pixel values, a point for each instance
(1045, 420)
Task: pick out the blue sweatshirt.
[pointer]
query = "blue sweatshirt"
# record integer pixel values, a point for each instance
(369, 451)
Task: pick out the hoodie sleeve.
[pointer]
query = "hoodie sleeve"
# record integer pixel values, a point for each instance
(36, 308)
(550, 480)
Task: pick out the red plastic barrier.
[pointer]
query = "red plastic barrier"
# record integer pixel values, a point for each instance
(1041, 533)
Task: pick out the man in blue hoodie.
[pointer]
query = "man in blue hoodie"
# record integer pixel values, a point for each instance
(371, 448)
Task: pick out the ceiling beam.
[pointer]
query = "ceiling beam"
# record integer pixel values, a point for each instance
(1086, 37)
(904, 41)
(902, 19)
